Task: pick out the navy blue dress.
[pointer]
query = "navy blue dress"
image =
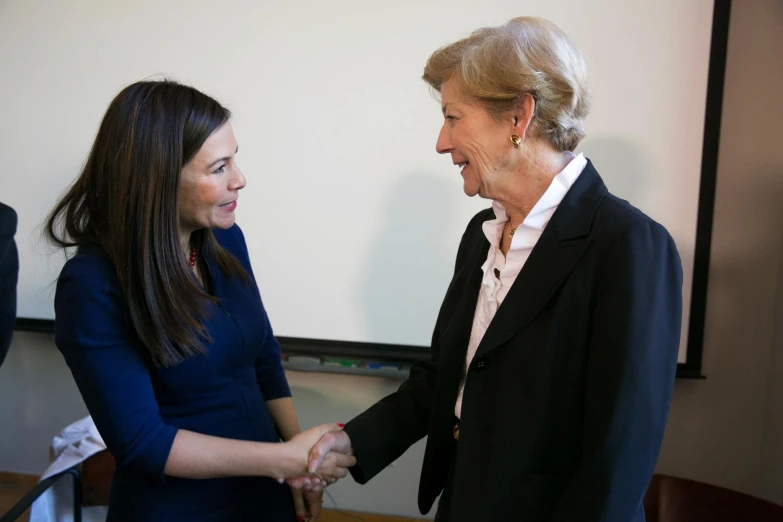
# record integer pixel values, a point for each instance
(138, 408)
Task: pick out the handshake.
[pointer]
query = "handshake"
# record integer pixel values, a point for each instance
(316, 458)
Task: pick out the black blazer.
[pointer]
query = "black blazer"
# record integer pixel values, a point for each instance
(9, 274)
(566, 400)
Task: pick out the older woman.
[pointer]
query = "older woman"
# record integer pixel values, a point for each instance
(160, 320)
(555, 349)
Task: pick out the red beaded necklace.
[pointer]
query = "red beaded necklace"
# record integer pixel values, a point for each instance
(192, 258)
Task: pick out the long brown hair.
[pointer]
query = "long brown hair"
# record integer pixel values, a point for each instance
(125, 201)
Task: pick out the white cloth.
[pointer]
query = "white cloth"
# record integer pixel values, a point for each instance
(73, 445)
(494, 289)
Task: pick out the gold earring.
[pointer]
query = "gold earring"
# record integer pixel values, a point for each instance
(516, 140)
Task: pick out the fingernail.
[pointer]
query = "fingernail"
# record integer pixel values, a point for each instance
(341, 424)
(299, 518)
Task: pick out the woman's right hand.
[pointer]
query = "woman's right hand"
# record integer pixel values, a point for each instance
(297, 451)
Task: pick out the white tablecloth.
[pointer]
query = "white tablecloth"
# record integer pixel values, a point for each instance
(71, 446)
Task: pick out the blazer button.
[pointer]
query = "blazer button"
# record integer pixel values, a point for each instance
(480, 363)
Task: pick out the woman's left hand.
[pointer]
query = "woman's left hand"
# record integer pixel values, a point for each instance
(307, 504)
(299, 504)
(314, 501)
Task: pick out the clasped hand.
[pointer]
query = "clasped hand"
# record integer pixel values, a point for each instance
(317, 457)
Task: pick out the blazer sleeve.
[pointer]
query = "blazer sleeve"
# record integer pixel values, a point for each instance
(94, 333)
(384, 432)
(9, 276)
(632, 362)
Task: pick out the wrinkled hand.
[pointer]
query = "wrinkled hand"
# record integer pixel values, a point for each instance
(297, 457)
(332, 442)
(333, 445)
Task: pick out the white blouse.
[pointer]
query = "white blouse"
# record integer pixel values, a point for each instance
(494, 289)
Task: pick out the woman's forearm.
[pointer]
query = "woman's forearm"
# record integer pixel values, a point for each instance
(197, 456)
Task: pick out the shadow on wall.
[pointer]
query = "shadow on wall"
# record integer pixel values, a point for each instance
(620, 163)
(412, 260)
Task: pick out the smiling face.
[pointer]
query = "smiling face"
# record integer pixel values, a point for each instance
(478, 143)
(210, 183)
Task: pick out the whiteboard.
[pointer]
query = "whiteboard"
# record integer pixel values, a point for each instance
(351, 218)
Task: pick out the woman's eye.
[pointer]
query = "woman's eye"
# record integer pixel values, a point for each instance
(220, 170)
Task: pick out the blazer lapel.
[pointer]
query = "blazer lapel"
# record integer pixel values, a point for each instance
(564, 241)
(455, 335)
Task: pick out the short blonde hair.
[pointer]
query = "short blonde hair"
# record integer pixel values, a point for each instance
(499, 65)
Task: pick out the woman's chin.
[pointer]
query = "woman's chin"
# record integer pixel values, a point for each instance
(224, 223)
(470, 189)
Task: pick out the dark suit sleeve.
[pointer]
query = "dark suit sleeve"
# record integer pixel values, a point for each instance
(384, 432)
(9, 275)
(631, 368)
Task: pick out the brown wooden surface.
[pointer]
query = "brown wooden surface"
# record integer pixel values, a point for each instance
(672, 499)
(329, 515)
(18, 479)
(9, 495)
(96, 479)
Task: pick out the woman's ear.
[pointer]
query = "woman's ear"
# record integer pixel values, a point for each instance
(523, 114)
